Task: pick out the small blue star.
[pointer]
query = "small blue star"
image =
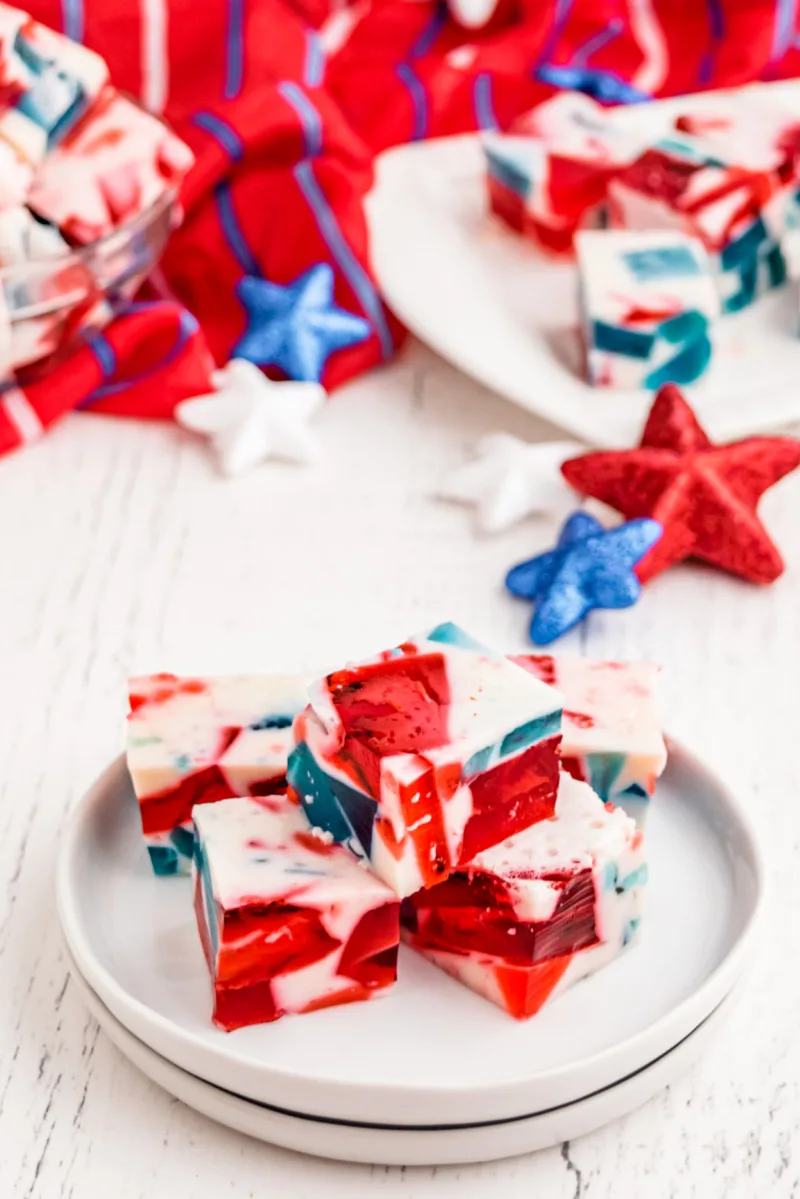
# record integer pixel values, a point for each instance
(591, 567)
(297, 326)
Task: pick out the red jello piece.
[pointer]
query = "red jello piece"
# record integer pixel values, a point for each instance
(574, 767)
(236, 1007)
(526, 988)
(394, 707)
(259, 942)
(511, 797)
(370, 954)
(173, 806)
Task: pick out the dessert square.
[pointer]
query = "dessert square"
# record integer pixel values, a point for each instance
(48, 83)
(197, 740)
(548, 176)
(611, 734)
(426, 754)
(699, 185)
(648, 304)
(289, 922)
(549, 906)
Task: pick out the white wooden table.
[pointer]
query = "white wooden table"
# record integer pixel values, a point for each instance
(121, 550)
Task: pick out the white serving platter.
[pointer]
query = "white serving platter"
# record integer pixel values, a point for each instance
(506, 314)
(405, 1146)
(431, 1053)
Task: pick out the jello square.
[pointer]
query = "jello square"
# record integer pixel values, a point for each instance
(49, 82)
(548, 176)
(611, 732)
(196, 740)
(549, 906)
(648, 306)
(683, 183)
(289, 921)
(426, 754)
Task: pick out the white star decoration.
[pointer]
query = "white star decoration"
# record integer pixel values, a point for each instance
(250, 418)
(511, 479)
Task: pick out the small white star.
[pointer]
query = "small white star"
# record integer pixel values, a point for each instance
(250, 418)
(511, 479)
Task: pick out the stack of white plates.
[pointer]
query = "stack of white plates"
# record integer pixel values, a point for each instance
(432, 1073)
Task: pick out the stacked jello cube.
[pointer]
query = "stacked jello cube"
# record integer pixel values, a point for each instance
(675, 222)
(424, 793)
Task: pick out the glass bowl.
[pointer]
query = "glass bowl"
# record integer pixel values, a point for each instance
(52, 301)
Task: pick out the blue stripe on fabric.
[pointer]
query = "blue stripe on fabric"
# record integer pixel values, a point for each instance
(234, 50)
(72, 19)
(598, 42)
(233, 234)
(349, 265)
(419, 99)
(329, 228)
(187, 327)
(716, 22)
(482, 102)
(104, 353)
(430, 33)
(222, 132)
(563, 9)
(309, 117)
(314, 66)
(783, 29)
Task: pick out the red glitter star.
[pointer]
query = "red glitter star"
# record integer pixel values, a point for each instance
(704, 495)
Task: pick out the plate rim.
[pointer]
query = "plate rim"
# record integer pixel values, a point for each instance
(241, 1107)
(185, 1050)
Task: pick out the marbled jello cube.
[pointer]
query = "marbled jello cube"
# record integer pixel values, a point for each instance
(648, 304)
(289, 921)
(48, 83)
(548, 176)
(196, 740)
(689, 183)
(427, 754)
(549, 906)
(611, 734)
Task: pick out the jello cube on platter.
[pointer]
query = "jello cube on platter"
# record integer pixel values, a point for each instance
(196, 740)
(426, 754)
(117, 163)
(548, 176)
(289, 921)
(551, 905)
(48, 83)
(682, 183)
(648, 305)
(611, 735)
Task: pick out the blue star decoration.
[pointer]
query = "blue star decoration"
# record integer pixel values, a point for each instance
(590, 567)
(296, 326)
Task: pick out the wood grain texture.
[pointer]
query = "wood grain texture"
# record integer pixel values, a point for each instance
(123, 551)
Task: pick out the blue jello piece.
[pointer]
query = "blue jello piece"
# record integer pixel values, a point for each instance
(479, 762)
(183, 840)
(610, 876)
(635, 789)
(630, 929)
(686, 326)
(450, 634)
(531, 733)
(661, 262)
(742, 251)
(55, 99)
(604, 770)
(636, 878)
(688, 365)
(509, 174)
(331, 804)
(271, 722)
(163, 859)
(616, 340)
(210, 907)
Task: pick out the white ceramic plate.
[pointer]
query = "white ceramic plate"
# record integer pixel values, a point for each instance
(494, 306)
(408, 1147)
(431, 1052)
